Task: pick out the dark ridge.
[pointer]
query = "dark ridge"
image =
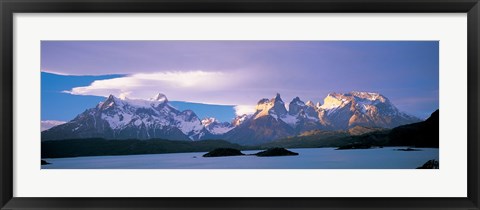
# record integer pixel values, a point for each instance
(103, 147)
(422, 134)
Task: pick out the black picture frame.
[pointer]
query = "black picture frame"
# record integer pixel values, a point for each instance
(9, 7)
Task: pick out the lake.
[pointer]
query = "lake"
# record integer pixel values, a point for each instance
(308, 158)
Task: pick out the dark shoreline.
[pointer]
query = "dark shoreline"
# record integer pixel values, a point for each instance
(244, 149)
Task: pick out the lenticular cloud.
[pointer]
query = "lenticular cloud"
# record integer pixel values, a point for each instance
(194, 86)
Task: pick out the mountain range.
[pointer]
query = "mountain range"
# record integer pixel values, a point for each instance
(420, 134)
(123, 118)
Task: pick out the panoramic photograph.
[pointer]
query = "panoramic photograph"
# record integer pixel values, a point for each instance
(245, 104)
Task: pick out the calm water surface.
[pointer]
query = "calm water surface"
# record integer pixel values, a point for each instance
(311, 158)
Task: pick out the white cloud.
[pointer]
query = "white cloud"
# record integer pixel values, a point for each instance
(244, 109)
(136, 84)
(194, 86)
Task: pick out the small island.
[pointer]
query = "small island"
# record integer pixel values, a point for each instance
(275, 152)
(354, 146)
(408, 149)
(221, 152)
(45, 162)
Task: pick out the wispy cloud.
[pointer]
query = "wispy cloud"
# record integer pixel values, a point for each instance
(55, 72)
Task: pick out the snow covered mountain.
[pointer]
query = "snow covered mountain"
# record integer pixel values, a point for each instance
(240, 119)
(339, 112)
(215, 127)
(117, 118)
(343, 111)
(264, 125)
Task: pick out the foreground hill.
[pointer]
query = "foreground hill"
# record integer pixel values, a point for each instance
(422, 134)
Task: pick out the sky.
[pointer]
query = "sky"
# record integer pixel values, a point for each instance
(235, 75)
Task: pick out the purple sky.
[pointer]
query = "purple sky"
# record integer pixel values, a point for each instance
(242, 72)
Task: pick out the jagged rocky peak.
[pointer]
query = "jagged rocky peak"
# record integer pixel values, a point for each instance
(368, 109)
(317, 105)
(240, 119)
(263, 104)
(266, 103)
(310, 103)
(278, 98)
(189, 115)
(333, 100)
(279, 106)
(208, 120)
(109, 102)
(295, 106)
(297, 101)
(215, 127)
(160, 97)
(274, 106)
(158, 101)
(371, 96)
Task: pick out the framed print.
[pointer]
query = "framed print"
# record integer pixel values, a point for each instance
(239, 105)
